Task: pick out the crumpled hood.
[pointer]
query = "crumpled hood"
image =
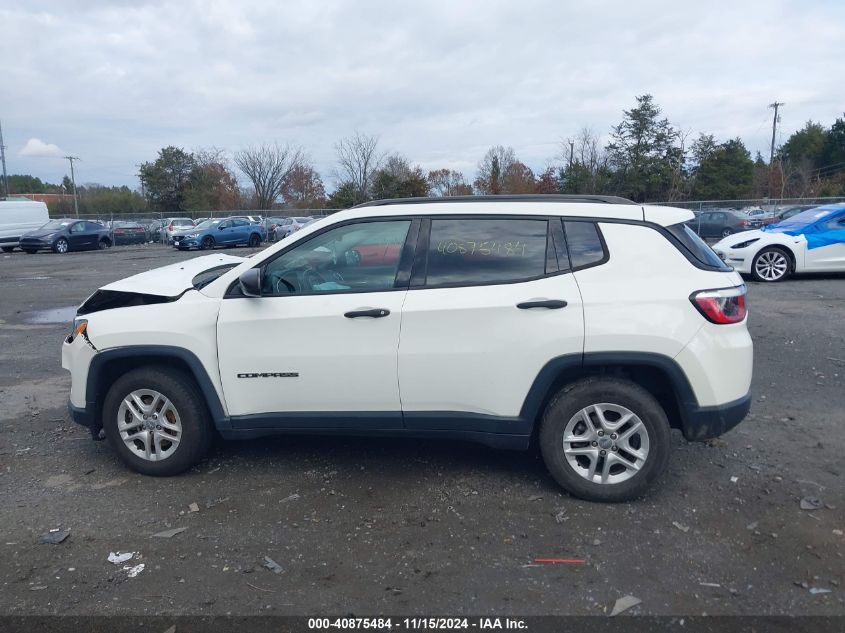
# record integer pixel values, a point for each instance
(171, 280)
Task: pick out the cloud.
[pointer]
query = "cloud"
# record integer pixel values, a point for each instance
(439, 81)
(37, 147)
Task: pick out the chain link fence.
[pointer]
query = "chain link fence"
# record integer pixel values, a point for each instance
(153, 222)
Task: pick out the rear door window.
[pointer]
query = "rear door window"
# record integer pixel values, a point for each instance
(473, 251)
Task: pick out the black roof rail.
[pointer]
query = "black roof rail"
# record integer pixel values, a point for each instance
(528, 197)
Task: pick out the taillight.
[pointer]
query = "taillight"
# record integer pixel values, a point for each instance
(722, 306)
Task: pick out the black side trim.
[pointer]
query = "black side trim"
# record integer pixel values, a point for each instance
(100, 363)
(707, 422)
(493, 440)
(308, 421)
(460, 421)
(680, 384)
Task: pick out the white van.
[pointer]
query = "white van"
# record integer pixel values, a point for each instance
(18, 217)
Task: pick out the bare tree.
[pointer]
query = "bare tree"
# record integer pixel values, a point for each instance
(357, 160)
(268, 167)
(446, 182)
(493, 170)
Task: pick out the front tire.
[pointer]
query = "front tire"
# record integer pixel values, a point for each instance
(605, 439)
(156, 421)
(770, 265)
(207, 243)
(8, 249)
(60, 246)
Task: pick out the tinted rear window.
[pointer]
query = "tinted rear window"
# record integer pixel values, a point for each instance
(695, 246)
(584, 243)
(485, 251)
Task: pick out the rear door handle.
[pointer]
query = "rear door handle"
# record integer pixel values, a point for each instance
(551, 304)
(373, 313)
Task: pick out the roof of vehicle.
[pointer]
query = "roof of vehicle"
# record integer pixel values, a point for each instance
(599, 207)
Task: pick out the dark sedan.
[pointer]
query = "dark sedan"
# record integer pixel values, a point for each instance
(722, 223)
(128, 232)
(61, 236)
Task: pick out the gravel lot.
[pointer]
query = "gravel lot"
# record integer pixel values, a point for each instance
(407, 527)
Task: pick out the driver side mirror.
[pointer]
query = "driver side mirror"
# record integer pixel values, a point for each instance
(250, 282)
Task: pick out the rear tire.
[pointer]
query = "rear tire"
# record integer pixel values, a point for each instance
(626, 439)
(8, 249)
(188, 410)
(254, 241)
(103, 244)
(727, 232)
(770, 265)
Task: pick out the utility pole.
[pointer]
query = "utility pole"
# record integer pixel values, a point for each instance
(73, 182)
(571, 152)
(774, 106)
(3, 160)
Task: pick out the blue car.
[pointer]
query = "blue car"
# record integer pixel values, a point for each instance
(220, 232)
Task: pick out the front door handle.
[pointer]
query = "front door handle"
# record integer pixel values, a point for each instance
(373, 313)
(551, 304)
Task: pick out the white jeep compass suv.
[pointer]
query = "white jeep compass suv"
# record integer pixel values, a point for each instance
(587, 323)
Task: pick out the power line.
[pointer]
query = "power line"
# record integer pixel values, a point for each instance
(73, 182)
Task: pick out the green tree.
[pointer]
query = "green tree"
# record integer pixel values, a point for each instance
(806, 145)
(167, 179)
(398, 179)
(345, 196)
(643, 152)
(211, 184)
(726, 173)
(833, 152)
(24, 183)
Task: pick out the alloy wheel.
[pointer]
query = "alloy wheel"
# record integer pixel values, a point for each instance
(149, 424)
(61, 246)
(606, 443)
(771, 265)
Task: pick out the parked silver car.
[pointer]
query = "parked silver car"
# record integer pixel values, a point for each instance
(291, 225)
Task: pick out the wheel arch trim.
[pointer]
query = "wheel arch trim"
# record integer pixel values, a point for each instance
(95, 394)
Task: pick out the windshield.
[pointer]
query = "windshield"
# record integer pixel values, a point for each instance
(208, 224)
(805, 218)
(302, 220)
(56, 224)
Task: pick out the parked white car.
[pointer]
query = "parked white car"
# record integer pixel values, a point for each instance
(811, 241)
(591, 324)
(18, 217)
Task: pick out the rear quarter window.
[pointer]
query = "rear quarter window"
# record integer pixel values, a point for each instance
(584, 243)
(694, 248)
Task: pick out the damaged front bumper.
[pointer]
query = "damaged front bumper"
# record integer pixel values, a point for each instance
(77, 354)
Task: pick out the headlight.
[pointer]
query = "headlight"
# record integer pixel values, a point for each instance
(80, 325)
(746, 243)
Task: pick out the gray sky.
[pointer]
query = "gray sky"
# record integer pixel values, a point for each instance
(112, 82)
